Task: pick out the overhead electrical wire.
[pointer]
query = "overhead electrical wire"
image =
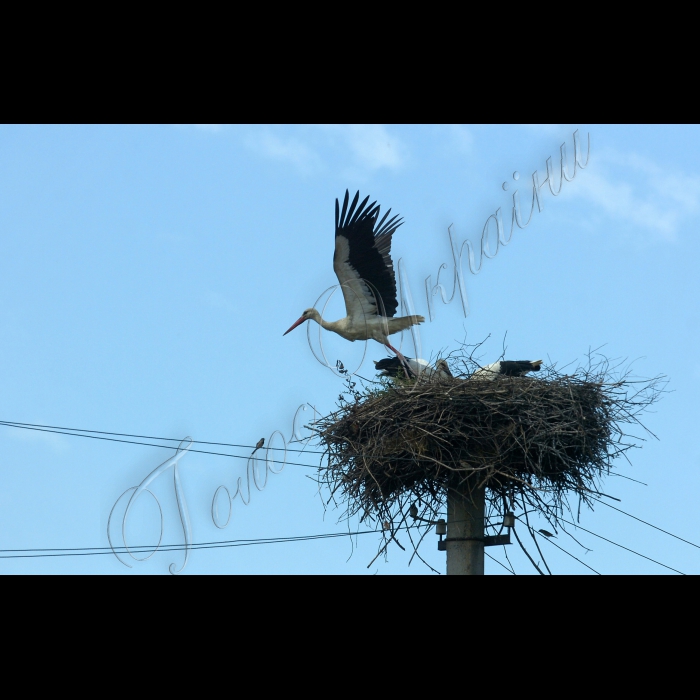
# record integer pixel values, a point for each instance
(544, 537)
(621, 546)
(147, 444)
(548, 539)
(27, 426)
(200, 545)
(31, 553)
(629, 515)
(46, 552)
(147, 437)
(500, 563)
(143, 549)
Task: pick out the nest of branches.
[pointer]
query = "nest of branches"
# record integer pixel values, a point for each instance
(531, 441)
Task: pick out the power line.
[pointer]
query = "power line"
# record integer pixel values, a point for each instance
(622, 546)
(143, 549)
(565, 552)
(16, 424)
(646, 523)
(148, 444)
(23, 426)
(176, 547)
(222, 544)
(27, 426)
(500, 563)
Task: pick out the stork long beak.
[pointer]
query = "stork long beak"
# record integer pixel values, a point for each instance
(300, 321)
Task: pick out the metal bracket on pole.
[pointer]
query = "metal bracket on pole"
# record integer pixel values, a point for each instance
(488, 540)
(493, 540)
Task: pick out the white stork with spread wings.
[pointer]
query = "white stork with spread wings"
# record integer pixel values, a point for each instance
(362, 263)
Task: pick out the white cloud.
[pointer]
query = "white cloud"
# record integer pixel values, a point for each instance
(635, 189)
(360, 147)
(373, 147)
(668, 184)
(291, 150)
(619, 200)
(461, 138)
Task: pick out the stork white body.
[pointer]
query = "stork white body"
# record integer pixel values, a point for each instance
(507, 368)
(363, 265)
(352, 328)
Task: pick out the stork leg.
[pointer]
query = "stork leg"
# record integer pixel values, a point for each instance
(402, 359)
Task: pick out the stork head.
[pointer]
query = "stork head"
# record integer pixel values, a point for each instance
(308, 313)
(442, 367)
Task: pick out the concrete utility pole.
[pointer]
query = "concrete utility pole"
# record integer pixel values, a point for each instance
(465, 531)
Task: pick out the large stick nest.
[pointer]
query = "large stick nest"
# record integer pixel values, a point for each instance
(538, 439)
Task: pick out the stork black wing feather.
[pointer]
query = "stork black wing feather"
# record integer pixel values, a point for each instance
(383, 236)
(361, 211)
(379, 225)
(392, 367)
(345, 208)
(516, 368)
(390, 226)
(353, 205)
(370, 247)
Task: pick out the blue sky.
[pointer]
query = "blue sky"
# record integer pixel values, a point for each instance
(148, 273)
